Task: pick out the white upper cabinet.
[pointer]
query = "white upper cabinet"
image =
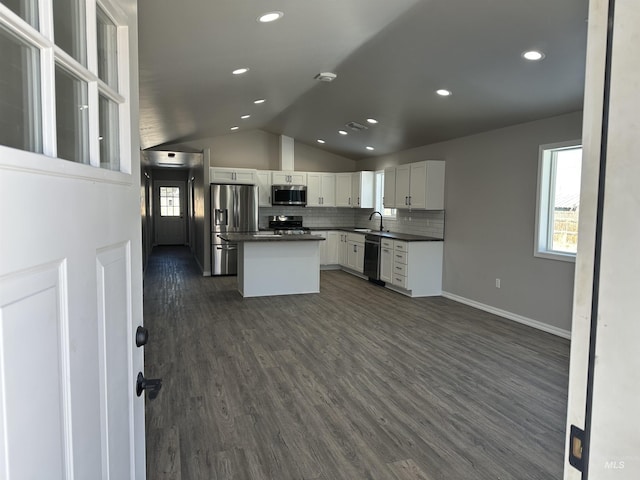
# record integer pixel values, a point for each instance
(264, 188)
(362, 189)
(246, 176)
(343, 189)
(418, 186)
(288, 178)
(321, 189)
(389, 199)
(403, 176)
(355, 190)
(427, 185)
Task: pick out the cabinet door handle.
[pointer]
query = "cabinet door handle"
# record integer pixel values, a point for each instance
(406, 200)
(358, 200)
(409, 199)
(355, 249)
(398, 268)
(349, 200)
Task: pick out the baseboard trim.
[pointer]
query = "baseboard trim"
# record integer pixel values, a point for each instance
(510, 316)
(205, 273)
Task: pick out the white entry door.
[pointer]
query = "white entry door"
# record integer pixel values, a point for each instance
(70, 243)
(170, 215)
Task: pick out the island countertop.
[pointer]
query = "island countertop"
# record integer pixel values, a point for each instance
(267, 237)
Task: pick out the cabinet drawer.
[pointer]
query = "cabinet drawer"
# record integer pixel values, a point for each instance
(355, 237)
(399, 269)
(399, 280)
(400, 257)
(386, 243)
(400, 246)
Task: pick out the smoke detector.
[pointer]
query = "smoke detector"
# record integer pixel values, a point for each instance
(326, 76)
(357, 127)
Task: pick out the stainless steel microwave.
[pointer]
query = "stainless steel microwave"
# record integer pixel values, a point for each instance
(289, 195)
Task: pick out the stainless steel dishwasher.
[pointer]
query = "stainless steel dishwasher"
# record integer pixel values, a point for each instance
(372, 258)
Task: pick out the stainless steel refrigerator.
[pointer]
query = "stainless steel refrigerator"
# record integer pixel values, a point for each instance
(234, 209)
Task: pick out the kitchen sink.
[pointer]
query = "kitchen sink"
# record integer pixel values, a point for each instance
(363, 230)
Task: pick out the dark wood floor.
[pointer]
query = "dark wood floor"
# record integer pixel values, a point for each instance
(356, 382)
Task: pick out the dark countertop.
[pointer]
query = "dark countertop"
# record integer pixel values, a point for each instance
(407, 237)
(262, 237)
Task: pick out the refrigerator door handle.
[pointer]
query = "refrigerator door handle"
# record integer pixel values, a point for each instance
(222, 216)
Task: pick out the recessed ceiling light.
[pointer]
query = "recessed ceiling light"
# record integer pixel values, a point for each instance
(372, 120)
(260, 100)
(320, 140)
(235, 127)
(443, 93)
(533, 55)
(342, 132)
(270, 17)
(369, 148)
(244, 117)
(240, 71)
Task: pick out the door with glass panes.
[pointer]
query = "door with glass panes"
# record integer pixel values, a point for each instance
(70, 246)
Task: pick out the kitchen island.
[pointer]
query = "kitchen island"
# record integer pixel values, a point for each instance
(270, 264)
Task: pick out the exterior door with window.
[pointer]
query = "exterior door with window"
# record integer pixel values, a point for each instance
(171, 221)
(70, 242)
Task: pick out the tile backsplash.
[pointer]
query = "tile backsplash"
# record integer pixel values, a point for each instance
(416, 222)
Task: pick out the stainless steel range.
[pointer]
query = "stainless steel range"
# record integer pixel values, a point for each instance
(287, 225)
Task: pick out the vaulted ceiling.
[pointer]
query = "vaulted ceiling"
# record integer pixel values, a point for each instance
(389, 57)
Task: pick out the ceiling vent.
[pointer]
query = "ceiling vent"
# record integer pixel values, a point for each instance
(356, 127)
(326, 76)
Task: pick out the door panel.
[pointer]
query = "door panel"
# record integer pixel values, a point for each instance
(114, 320)
(33, 366)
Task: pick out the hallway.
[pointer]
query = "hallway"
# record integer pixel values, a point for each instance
(356, 382)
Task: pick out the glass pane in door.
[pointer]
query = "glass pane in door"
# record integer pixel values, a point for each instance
(107, 49)
(20, 120)
(72, 117)
(108, 139)
(26, 9)
(69, 29)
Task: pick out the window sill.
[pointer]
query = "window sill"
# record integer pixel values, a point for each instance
(564, 257)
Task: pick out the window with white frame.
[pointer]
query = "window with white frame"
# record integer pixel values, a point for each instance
(64, 97)
(559, 169)
(386, 212)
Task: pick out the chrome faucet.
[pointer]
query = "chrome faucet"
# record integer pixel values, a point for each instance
(371, 216)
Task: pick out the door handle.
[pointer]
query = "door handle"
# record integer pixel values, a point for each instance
(152, 385)
(142, 336)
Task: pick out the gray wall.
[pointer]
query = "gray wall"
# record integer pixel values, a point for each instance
(490, 197)
(261, 150)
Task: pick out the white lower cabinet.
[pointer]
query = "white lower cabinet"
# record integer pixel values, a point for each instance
(416, 268)
(333, 248)
(386, 260)
(322, 247)
(355, 252)
(343, 250)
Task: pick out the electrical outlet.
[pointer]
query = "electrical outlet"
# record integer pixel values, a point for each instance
(497, 283)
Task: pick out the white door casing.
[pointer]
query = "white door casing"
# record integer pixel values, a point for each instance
(70, 300)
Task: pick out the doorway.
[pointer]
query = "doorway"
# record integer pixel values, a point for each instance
(171, 223)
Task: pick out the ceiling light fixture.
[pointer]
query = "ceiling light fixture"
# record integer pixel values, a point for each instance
(240, 71)
(369, 147)
(342, 132)
(270, 17)
(320, 140)
(326, 76)
(244, 117)
(235, 127)
(260, 100)
(533, 55)
(373, 121)
(443, 93)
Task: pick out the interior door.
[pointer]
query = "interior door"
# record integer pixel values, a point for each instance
(70, 263)
(171, 221)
